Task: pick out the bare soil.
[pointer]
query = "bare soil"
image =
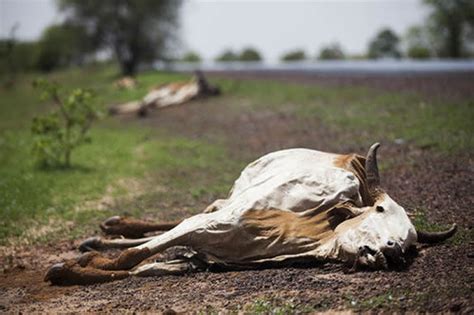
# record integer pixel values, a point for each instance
(438, 279)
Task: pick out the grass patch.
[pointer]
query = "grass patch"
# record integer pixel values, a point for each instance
(275, 307)
(369, 114)
(21, 103)
(31, 197)
(421, 223)
(387, 300)
(37, 204)
(193, 173)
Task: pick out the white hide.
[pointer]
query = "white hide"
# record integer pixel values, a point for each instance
(168, 95)
(291, 180)
(163, 96)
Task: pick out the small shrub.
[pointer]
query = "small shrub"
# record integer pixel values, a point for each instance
(191, 57)
(250, 54)
(59, 132)
(295, 55)
(331, 52)
(227, 55)
(418, 52)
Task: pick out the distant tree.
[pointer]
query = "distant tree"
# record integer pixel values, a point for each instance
(418, 52)
(452, 26)
(7, 64)
(191, 57)
(63, 45)
(332, 51)
(21, 57)
(227, 55)
(294, 55)
(418, 44)
(250, 54)
(136, 31)
(385, 44)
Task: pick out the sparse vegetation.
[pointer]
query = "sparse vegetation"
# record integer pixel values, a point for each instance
(227, 55)
(250, 54)
(169, 173)
(421, 222)
(294, 55)
(443, 125)
(247, 54)
(384, 45)
(61, 131)
(191, 57)
(31, 194)
(331, 52)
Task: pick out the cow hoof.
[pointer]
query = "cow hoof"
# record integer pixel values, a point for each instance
(70, 273)
(116, 219)
(113, 225)
(55, 273)
(117, 225)
(90, 244)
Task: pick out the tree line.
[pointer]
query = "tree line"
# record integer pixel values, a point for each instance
(138, 32)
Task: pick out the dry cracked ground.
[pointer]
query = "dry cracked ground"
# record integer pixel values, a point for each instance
(439, 278)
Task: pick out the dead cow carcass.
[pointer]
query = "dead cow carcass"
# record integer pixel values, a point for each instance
(126, 83)
(295, 204)
(168, 95)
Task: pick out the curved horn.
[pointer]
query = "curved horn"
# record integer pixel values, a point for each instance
(436, 237)
(371, 168)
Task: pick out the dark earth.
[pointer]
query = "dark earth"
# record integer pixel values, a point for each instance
(439, 278)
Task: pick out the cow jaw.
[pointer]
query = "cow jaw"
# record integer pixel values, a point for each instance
(382, 231)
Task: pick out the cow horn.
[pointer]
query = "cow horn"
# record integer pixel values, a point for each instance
(436, 237)
(371, 168)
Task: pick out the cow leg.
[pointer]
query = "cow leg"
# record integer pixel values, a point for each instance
(216, 205)
(133, 228)
(180, 235)
(98, 243)
(173, 267)
(68, 273)
(125, 108)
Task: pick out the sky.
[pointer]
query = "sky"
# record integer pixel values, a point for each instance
(272, 27)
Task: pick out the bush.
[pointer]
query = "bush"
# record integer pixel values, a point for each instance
(250, 54)
(17, 56)
(191, 57)
(227, 55)
(331, 52)
(58, 133)
(418, 52)
(295, 55)
(384, 45)
(62, 45)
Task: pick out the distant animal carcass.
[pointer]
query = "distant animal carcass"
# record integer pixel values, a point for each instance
(168, 95)
(126, 83)
(295, 204)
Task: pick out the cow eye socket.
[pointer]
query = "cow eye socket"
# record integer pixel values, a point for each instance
(379, 209)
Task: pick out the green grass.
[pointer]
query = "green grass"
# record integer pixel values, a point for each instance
(32, 197)
(276, 307)
(190, 173)
(385, 300)
(369, 114)
(38, 204)
(421, 223)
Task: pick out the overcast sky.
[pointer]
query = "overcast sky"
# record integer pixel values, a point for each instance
(272, 27)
